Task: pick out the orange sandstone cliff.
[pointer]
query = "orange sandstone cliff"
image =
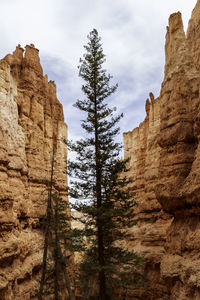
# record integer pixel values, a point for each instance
(30, 115)
(165, 166)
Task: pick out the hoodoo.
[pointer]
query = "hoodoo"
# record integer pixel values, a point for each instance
(164, 153)
(165, 166)
(30, 116)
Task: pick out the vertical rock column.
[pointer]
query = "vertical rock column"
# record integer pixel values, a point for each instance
(179, 101)
(30, 116)
(178, 180)
(149, 234)
(165, 167)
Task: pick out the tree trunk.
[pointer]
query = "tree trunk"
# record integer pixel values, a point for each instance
(47, 231)
(66, 276)
(102, 278)
(56, 253)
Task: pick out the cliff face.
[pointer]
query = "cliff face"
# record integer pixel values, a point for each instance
(165, 166)
(149, 235)
(30, 115)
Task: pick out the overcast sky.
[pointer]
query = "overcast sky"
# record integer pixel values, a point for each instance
(133, 37)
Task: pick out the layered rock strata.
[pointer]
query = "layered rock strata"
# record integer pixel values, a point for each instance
(31, 117)
(165, 162)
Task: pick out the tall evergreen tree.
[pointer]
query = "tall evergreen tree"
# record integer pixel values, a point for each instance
(55, 281)
(98, 176)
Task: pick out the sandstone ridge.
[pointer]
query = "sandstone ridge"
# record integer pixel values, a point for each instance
(165, 166)
(31, 118)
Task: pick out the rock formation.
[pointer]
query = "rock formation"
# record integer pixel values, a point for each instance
(165, 166)
(30, 115)
(164, 156)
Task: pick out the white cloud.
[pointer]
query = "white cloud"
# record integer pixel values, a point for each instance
(132, 31)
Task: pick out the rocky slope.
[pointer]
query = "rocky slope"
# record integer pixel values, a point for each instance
(165, 163)
(30, 115)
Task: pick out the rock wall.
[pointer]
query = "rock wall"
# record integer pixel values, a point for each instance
(165, 166)
(30, 116)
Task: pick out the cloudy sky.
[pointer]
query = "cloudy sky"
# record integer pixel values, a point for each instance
(133, 37)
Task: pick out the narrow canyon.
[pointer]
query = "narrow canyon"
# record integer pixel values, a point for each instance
(164, 153)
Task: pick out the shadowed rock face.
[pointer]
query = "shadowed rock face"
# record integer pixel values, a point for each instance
(165, 166)
(30, 114)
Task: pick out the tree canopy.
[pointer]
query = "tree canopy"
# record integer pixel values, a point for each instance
(99, 182)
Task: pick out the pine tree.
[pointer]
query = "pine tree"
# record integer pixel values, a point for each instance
(55, 281)
(98, 176)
